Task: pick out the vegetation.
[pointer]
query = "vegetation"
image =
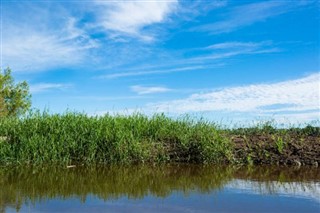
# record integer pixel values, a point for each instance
(74, 138)
(15, 99)
(265, 144)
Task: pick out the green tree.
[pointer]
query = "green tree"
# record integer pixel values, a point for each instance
(15, 99)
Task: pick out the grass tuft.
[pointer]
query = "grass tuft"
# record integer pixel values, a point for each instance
(78, 138)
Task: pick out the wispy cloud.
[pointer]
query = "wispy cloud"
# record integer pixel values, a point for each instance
(208, 57)
(38, 45)
(43, 87)
(142, 90)
(239, 45)
(249, 14)
(292, 96)
(188, 10)
(39, 52)
(130, 18)
(108, 98)
(150, 72)
(235, 48)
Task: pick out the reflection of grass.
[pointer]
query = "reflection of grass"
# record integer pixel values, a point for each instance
(32, 184)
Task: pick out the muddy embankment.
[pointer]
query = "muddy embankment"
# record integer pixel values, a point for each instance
(287, 149)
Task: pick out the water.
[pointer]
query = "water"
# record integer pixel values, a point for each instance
(159, 188)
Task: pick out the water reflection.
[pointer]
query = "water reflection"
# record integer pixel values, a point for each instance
(31, 185)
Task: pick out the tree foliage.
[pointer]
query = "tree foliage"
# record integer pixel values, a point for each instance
(15, 98)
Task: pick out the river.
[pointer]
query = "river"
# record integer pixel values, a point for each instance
(159, 188)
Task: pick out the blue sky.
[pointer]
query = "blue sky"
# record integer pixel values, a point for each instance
(231, 61)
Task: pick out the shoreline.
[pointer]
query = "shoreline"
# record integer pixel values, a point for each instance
(75, 138)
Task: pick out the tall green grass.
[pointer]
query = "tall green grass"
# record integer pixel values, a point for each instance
(77, 138)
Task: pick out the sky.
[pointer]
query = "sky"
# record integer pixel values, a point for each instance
(226, 61)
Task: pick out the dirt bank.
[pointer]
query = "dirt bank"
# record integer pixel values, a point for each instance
(288, 149)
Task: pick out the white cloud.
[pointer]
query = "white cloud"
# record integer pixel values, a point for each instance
(131, 17)
(235, 48)
(108, 98)
(42, 87)
(295, 96)
(249, 14)
(141, 90)
(150, 72)
(36, 52)
(30, 44)
(292, 102)
(237, 44)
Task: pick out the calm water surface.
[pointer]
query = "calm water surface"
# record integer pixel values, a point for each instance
(159, 188)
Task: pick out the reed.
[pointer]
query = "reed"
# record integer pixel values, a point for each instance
(78, 138)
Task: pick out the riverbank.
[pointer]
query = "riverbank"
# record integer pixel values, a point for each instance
(287, 147)
(75, 138)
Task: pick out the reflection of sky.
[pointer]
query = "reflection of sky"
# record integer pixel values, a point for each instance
(310, 190)
(237, 196)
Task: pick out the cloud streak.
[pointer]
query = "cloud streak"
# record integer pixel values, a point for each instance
(43, 87)
(293, 96)
(150, 72)
(141, 90)
(235, 48)
(249, 14)
(238, 45)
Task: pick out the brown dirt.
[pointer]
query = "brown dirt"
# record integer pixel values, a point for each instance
(291, 149)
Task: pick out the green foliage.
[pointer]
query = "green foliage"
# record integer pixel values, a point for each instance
(280, 144)
(78, 138)
(311, 130)
(40, 138)
(15, 99)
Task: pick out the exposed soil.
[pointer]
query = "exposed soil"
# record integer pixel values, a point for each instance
(291, 149)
